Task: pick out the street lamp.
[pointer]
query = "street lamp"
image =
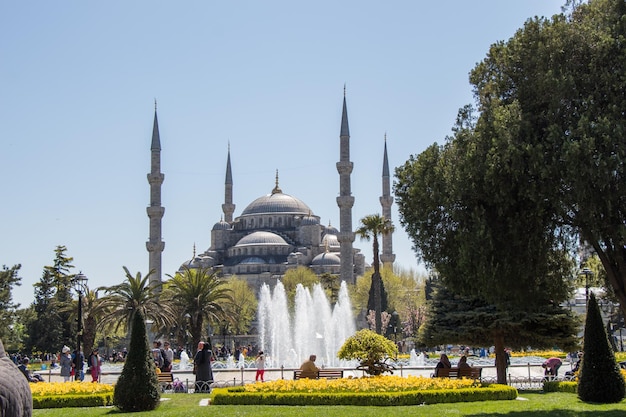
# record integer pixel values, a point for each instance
(587, 273)
(80, 283)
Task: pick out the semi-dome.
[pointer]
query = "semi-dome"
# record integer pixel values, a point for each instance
(261, 238)
(253, 260)
(277, 203)
(326, 258)
(310, 220)
(221, 225)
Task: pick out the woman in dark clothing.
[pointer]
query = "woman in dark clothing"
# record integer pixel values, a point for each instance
(444, 362)
(202, 366)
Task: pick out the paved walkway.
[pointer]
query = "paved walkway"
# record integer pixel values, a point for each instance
(521, 376)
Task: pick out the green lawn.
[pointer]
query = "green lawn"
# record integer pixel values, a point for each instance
(529, 404)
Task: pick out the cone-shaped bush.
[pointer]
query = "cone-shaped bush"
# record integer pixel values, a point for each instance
(600, 379)
(137, 389)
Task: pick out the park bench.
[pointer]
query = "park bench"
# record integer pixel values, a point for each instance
(166, 381)
(322, 373)
(456, 373)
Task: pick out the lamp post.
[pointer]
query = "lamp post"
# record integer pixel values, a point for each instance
(80, 281)
(587, 273)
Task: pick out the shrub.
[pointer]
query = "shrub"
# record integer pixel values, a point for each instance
(371, 350)
(599, 380)
(223, 396)
(137, 388)
(560, 386)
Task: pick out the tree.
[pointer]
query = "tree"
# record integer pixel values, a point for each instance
(300, 275)
(454, 318)
(137, 388)
(62, 278)
(242, 310)
(371, 350)
(372, 226)
(200, 295)
(600, 378)
(45, 331)
(136, 294)
(8, 278)
(562, 80)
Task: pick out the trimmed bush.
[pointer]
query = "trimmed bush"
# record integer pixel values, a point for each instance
(371, 350)
(224, 396)
(137, 388)
(63, 401)
(599, 380)
(560, 386)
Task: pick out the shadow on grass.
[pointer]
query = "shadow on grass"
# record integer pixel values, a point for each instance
(554, 413)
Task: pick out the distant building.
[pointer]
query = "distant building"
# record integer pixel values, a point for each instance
(277, 232)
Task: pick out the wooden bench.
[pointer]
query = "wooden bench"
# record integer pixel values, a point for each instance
(166, 381)
(456, 373)
(322, 373)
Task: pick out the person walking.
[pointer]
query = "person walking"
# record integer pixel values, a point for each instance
(260, 366)
(66, 363)
(94, 365)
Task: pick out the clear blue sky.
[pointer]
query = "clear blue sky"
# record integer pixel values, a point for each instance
(77, 87)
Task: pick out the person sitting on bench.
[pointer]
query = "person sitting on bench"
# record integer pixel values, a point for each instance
(308, 368)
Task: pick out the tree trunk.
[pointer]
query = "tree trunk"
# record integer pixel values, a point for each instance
(376, 280)
(501, 358)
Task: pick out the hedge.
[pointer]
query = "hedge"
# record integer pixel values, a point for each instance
(225, 396)
(62, 401)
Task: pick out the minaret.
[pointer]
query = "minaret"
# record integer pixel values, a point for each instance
(228, 207)
(155, 212)
(345, 201)
(387, 257)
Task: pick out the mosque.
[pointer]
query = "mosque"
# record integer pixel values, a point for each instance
(276, 232)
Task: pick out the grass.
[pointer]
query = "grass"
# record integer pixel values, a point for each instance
(530, 404)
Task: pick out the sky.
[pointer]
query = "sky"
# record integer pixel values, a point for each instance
(79, 80)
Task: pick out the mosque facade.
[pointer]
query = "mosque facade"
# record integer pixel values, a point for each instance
(277, 231)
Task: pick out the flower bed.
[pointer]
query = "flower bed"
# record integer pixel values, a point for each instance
(378, 391)
(71, 394)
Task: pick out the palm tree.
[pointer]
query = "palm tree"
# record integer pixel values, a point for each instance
(372, 226)
(199, 295)
(122, 301)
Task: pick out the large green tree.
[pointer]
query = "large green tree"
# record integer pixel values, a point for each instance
(123, 301)
(480, 211)
(557, 87)
(371, 227)
(455, 318)
(200, 295)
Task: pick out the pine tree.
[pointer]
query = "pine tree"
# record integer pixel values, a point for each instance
(454, 318)
(45, 331)
(137, 388)
(600, 378)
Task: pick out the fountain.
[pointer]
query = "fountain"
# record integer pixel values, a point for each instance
(415, 359)
(313, 328)
(184, 360)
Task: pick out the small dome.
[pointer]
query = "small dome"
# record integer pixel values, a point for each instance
(331, 241)
(327, 258)
(221, 225)
(261, 238)
(331, 230)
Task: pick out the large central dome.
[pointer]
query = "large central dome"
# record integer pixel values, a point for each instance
(277, 202)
